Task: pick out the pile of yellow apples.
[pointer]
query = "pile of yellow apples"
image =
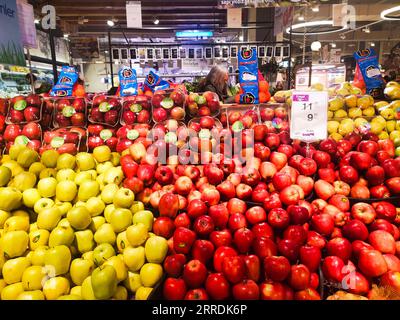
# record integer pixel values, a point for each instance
(69, 230)
(349, 110)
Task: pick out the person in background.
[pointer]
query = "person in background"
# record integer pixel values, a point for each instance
(37, 85)
(216, 81)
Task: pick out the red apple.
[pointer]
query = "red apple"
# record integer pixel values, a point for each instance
(363, 212)
(299, 278)
(276, 268)
(372, 263)
(383, 241)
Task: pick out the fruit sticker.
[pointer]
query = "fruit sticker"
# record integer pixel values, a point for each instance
(105, 106)
(105, 134)
(135, 107)
(68, 111)
(21, 140)
(20, 105)
(248, 75)
(171, 137)
(57, 142)
(127, 81)
(167, 103)
(132, 134)
(237, 126)
(204, 134)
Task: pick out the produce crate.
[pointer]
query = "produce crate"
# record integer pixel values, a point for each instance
(203, 104)
(65, 140)
(168, 104)
(22, 110)
(30, 134)
(136, 109)
(105, 110)
(69, 112)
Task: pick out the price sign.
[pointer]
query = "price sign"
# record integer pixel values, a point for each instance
(309, 115)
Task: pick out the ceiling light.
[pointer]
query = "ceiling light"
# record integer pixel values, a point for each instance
(372, 44)
(315, 8)
(156, 21)
(367, 30)
(385, 14)
(300, 18)
(313, 24)
(333, 45)
(110, 23)
(37, 21)
(66, 35)
(342, 36)
(316, 45)
(241, 38)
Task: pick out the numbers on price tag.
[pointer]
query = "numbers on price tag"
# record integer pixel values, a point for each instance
(309, 115)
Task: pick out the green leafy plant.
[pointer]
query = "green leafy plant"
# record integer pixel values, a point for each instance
(12, 54)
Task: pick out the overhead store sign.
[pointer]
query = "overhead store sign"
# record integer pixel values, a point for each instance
(225, 4)
(234, 19)
(11, 49)
(134, 14)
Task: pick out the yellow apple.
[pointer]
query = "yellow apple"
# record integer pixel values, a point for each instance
(134, 258)
(150, 274)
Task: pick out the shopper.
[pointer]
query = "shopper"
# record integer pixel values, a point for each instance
(216, 81)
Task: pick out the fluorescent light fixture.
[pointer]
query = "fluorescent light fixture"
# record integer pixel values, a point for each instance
(333, 45)
(300, 18)
(156, 21)
(241, 38)
(367, 30)
(193, 34)
(385, 14)
(316, 45)
(372, 44)
(66, 35)
(313, 24)
(110, 23)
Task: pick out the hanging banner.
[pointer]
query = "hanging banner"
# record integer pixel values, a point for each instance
(234, 18)
(11, 49)
(367, 61)
(248, 75)
(225, 4)
(134, 14)
(27, 27)
(283, 19)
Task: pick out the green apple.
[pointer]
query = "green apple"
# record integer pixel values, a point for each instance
(79, 218)
(117, 262)
(22, 181)
(156, 249)
(115, 156)
(133, 282)
(120, 219)
(61, 236)
(48, 218)
(102, 153)
(5, 175)
(134, 258)
(113, 175)
(150, 274)
(81, 177)
(80, 269)
(10, 199)
(107, 194)
(105, 234)
(47, 187)
(85, 161)
(144, 216)
(103, 252)
(66, 174)
(107, 212)
(84, 241)
(57, 260)
(137, 234)
(48, 172)
(137, 206)
(96, 223)
(87, 290)
(64, 207)
(49, 158)
(103, 167)
(36, 168)
(66, 190)
(66, 161)
(88, 189)
(95, 206)
(123, 198)
(42, 204)
(30, 197)
(26, 157)
(104, 282)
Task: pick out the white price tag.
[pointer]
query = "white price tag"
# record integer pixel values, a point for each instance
(309, 115)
